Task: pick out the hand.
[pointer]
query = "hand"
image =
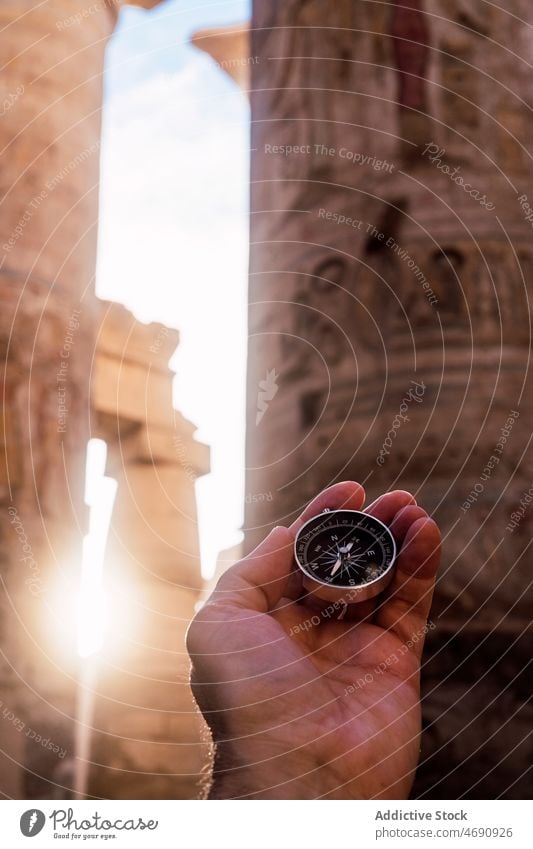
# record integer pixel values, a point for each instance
(300, 704)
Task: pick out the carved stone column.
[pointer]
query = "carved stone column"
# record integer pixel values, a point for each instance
(149, 739)
(390, 272)
(51, 98)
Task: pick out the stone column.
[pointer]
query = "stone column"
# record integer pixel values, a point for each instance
(310, 117)
(149, 739)
(51, 98)
(390, 271)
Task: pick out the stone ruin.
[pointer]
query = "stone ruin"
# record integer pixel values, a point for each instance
(75, 367)
(391, 244)
(369, 262)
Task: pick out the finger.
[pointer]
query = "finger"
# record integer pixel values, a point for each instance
(399, 527)
(259, 580)
(268, 573)
(408, 599)
(347, 495)
(387, 506)
(403, 520)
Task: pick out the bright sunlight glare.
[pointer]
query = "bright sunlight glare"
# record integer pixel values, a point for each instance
(100, 492)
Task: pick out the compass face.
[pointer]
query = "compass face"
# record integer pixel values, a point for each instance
(345, 548)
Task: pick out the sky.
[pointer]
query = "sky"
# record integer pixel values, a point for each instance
(174, 226)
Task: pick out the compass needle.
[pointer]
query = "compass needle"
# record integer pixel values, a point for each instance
(336, 567)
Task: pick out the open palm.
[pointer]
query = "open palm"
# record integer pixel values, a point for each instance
(302, 704)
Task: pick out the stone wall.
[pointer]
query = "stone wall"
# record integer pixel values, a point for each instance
(50, 102)
(50, 133)
(380, 284)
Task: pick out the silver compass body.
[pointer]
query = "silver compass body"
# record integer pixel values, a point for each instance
(345, 555)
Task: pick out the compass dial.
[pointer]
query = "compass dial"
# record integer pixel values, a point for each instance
(346, 549)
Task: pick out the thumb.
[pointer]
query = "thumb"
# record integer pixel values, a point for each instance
(259, 580)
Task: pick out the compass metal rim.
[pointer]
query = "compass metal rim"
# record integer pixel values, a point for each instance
(362, 592)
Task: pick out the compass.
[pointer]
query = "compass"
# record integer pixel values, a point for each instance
(345, 555)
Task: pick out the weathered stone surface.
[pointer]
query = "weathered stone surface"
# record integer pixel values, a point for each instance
(154, 568)
(128, 389)
(11, 756)
(149, 740)
(476, 712)
(375, 269)
(153, 643)
(155, 517)
(53, 337)
(124, 337)
(50, 138)
(175, 446)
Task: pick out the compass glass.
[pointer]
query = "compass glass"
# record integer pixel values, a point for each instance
(345, 548)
